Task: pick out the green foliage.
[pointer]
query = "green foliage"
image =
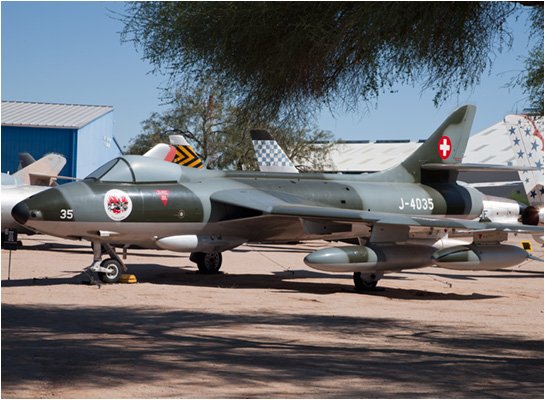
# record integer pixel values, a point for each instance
(530, 79)
(290, 58)
(220, 132)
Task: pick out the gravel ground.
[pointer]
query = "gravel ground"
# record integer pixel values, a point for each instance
(267, 327)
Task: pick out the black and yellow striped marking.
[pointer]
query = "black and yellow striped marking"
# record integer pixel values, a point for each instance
(187, 157)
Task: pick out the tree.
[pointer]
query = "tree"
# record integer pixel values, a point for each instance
(291, 58)
(530, 79)
(219, 131)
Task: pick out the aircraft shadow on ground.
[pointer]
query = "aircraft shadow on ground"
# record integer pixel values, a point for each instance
(469, 275)
(301, 281)
(110, 347)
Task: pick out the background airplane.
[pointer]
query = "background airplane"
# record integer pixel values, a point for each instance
(32, 178)
(179, 152)
(270, 156)
(404, 217)
(527, 143)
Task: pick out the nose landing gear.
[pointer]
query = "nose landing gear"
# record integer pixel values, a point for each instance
(113, 271)
(108, 271)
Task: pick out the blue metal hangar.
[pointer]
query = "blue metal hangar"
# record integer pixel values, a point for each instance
(83, 134)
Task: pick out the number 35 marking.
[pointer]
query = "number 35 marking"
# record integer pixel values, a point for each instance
(67, 214)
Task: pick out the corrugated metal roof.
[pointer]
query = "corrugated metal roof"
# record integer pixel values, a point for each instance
(46, 115)
(370, 156)
(490, 146)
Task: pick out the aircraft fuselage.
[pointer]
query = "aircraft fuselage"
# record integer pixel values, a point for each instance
(147, 211)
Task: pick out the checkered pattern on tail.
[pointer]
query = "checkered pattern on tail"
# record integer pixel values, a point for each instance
(269, 153)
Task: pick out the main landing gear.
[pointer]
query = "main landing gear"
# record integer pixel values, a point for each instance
(208, 263)
(108, 271)
(366, 282)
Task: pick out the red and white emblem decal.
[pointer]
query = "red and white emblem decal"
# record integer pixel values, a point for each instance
(445, 147)
(118, 204)
(163, 194)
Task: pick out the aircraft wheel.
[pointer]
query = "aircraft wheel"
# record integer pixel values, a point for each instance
(114, 271)
(369, 283)
(208, 263)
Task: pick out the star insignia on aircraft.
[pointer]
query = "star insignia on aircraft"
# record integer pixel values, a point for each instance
(534, 145)
(512, 130)
(516, 141)
(533, 194)
(527, 131)
(539, 164)
(520, 154)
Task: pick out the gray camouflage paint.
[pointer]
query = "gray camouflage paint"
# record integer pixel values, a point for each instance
(166, 199)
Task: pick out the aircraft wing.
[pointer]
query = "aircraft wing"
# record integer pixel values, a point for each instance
(356, 216)
(271, 203)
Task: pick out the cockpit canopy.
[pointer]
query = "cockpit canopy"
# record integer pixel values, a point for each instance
(137, 169)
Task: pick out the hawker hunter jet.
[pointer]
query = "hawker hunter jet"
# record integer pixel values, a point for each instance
(409, 216)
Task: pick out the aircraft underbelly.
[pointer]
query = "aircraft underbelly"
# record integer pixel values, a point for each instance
(145, 234)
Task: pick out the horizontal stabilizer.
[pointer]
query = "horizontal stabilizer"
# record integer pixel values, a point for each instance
(490, 184)
(476, 167)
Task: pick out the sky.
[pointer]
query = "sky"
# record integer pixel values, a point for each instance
(71, 53)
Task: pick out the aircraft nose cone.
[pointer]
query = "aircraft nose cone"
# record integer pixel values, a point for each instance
(20, 212)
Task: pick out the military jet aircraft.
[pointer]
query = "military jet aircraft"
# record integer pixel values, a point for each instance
(405, 217)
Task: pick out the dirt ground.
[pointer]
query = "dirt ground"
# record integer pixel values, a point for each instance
(268, 327)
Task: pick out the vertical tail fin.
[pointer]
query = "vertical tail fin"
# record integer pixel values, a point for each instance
(185, 155)
(446, 145)
(179, 151)
(270, 156)
(527, 143)
(43, 171)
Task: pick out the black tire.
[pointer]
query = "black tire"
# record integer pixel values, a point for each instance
(115, 271)
(208, 263)
(364, 284)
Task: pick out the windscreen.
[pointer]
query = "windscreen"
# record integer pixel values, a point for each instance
(116, 170)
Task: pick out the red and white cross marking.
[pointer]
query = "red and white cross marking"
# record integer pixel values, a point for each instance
(445, 147)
